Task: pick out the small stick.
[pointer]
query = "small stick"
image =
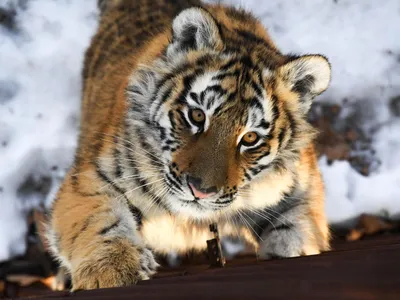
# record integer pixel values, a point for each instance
(214, 248)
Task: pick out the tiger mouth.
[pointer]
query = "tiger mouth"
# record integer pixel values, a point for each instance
(215, 204)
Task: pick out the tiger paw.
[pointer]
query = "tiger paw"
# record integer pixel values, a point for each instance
(285, 242)
(121, 265)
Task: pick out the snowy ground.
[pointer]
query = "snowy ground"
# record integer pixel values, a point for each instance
(41, 57)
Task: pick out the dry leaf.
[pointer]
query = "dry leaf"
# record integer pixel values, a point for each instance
(369, 225)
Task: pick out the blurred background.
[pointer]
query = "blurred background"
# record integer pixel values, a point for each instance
(42, 43)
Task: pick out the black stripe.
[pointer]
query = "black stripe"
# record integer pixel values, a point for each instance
(172, 119)
(146, 146)
(172, 182)
(275, 115)
(262, 155)
(104, 177)
(216, 89)
(200, 62)
(264, 225)
(211, 102)
(109, 228)
(177, 179)
(165, 97)
(74, 177)
(256, 88)
(187, 84)
(195, 97)
(229, 65)
(270, 135)
(222, 76)
(162, 132)
(225, 202)
(247, 62)
(252, 150)
(287, 203)
(131, 160)
(85, 225)
(260, 77)
(169, 142)
(256, 170)
(278, 164)
(250, 37)
(134, 89)
(231, 97)
(136, 213)
(202, 96)
(292, 126)
(303, 86)
(143, 183)
(255, 102)
(135, 170)
(281, 136)
(182, 116)
(283, 226)
(292, 123)
(264, 124)
(117, 158)
(218, 109)
(275, 108)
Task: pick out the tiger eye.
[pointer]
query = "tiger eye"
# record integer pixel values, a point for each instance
(250, 138)
(197, 117)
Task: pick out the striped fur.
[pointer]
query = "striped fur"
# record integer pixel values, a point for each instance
(148, 67)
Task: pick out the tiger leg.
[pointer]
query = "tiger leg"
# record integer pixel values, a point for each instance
(295, 229)
(96, 238)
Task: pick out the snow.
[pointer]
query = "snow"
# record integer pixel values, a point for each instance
(40, 67)
(40, 90)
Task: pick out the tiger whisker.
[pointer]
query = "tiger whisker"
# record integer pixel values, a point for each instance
(264, 217)
(231, 220)
(279, 214)
(129, 142)
(135, 161)
(255, 223)
(126, 178)
(136, 188)
(160, 193)
(248, 225)
(146, 184)
(132, 150)
(156, 161)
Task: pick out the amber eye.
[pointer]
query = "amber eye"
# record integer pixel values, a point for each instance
(250, 139)
(197, 117)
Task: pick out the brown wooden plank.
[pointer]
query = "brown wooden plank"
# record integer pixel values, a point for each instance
(368, 269)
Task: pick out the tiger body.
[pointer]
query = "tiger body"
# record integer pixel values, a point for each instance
(190, 115)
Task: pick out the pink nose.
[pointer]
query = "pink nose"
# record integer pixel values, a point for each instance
(199, 194)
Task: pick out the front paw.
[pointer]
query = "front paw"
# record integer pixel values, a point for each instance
(117, 264)
(286, 242)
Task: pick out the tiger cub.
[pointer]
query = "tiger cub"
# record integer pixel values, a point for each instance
(190, 115)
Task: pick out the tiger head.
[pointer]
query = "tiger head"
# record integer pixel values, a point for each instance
(221, 109)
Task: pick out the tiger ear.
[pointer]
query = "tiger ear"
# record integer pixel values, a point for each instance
(308, 76)
(194, 29)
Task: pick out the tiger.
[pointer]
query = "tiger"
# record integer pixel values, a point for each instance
(190, 116)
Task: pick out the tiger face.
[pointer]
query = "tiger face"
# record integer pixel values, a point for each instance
(221, 110)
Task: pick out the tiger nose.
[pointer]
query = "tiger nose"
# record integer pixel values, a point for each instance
(197, 190)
